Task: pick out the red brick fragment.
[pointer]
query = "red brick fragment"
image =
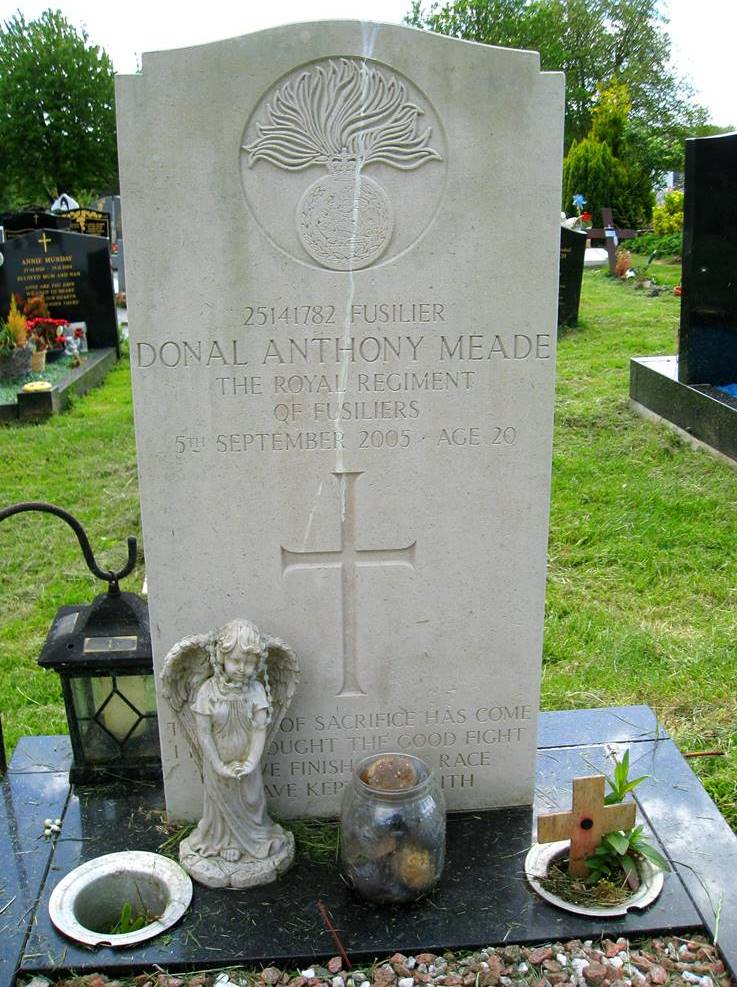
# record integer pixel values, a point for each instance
(539, 955)
(384, 976)
(612, 949)
(595, 973)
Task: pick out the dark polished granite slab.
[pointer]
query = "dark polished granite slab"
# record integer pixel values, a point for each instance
(27, 800)
(483, 897)
(704, 413)
(610, 724)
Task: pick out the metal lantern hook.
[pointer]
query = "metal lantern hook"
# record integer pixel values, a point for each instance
(109, 576)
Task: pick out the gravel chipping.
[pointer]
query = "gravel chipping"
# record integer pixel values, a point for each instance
(676, 961)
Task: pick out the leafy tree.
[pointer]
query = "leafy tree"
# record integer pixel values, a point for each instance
(593, 42)
(668, 217)
(605, 166)
(57, 111)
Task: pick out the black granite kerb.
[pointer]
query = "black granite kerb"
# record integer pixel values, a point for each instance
(702, 412)
(483, 898)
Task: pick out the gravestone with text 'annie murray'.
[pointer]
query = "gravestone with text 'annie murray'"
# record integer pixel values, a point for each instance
(344, 394)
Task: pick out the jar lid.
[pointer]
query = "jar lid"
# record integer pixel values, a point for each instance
(392, 776)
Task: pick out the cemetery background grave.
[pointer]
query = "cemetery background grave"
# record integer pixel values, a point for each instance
(687, 391)
(572, 252)
(72, 271)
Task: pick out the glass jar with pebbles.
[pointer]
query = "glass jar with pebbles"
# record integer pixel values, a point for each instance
(392, 828)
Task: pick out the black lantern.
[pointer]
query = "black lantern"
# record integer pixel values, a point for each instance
(102, 652)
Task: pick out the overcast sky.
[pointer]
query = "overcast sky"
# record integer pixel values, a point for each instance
(703, 31)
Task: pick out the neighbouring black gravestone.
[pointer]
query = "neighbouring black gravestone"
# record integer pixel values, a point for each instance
(708, 335)
(91, 221)
(696, 390)
(18, 224)
(572, 252)
(71, 271)
(111, 205)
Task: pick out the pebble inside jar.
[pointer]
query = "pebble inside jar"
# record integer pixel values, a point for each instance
(392, 829)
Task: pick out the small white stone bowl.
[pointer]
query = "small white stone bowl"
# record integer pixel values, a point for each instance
(542, 855)
(93, 895)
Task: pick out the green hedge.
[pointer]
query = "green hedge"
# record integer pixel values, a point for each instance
(666, 246)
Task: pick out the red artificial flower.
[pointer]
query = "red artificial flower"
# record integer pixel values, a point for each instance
(586, 217)
(34, 323)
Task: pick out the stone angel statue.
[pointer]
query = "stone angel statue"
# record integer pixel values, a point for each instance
(229, 691)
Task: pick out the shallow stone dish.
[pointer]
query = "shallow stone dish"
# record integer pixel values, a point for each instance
(542, 855)
(92, 897)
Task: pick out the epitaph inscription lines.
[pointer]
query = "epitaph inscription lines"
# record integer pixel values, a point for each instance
(348, 558)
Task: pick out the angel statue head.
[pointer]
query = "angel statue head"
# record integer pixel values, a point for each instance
(238, 655)
(238, 651)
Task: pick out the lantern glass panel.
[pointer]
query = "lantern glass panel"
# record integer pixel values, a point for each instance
(116, 716)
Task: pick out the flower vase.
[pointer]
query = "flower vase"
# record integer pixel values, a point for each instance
(38, 361)
(17, 363)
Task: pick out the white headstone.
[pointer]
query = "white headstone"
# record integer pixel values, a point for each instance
(344, 383)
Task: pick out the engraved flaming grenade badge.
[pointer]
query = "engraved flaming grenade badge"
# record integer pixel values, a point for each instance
(344, 114)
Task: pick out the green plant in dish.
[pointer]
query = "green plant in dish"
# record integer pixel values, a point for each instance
(130, 921)
(620, 782)
(618, 853)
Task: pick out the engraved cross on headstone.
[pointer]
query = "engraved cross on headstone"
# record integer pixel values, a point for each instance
(348, 558)
(586, 823)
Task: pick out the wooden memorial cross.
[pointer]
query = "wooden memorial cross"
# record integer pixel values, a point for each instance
(586, 823)
(611, 235)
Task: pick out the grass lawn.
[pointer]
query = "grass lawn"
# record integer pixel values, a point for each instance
(642, 582)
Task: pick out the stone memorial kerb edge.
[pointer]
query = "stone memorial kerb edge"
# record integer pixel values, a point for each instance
(344, 415)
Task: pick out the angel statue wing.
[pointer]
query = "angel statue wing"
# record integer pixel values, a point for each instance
(185, 668)
(282, 669)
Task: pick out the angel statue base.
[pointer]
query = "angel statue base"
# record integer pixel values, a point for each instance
(229, 691)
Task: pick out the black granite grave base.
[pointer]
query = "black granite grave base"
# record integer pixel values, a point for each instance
(704, 413)
(37, 405)
(483, 898)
